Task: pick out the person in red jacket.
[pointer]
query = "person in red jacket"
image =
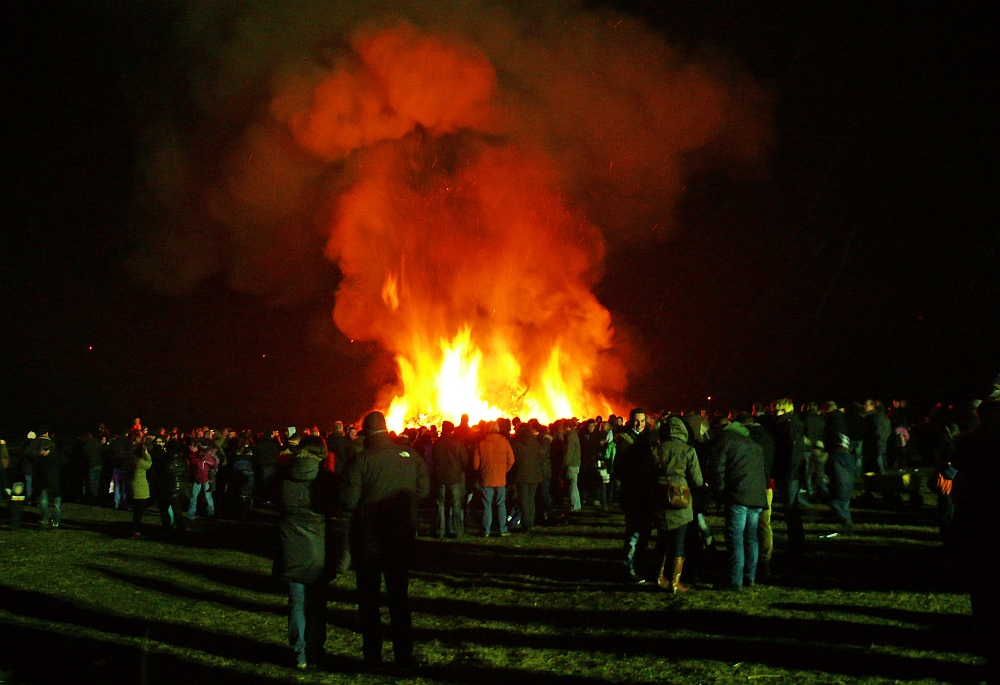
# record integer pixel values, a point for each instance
(201, 461)
(492, 459)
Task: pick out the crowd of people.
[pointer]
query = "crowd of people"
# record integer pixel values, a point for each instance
(353, 496)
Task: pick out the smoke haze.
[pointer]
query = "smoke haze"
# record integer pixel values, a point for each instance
(463, 165)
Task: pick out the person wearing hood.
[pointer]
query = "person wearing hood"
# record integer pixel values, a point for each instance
(301, 558)
(739, 481)
(678, 473)
(382, 490)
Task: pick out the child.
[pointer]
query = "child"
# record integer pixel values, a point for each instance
(16, 504)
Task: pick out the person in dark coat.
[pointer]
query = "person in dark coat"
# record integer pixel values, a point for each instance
(451, 462)
(382, 490)
(975, 460)
(739, 482)
(814, 425)
(875, 440)
(173, 485)
(765, 534)
(841, 462)
(529, 471)
(789, 470)
(301, 559)
(636, 471)
(48, 462)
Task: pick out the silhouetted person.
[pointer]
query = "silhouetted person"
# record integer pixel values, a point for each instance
(383, 487)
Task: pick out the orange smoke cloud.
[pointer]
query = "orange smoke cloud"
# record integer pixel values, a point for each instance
(464, 173)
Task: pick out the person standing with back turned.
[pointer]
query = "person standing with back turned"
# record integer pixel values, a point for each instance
(383, 488)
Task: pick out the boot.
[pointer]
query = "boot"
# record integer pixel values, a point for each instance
(675, 584)
(663, 582)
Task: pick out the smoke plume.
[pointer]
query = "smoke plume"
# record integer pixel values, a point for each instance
(465, 165)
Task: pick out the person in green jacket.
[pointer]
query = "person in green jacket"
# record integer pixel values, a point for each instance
(139, 463)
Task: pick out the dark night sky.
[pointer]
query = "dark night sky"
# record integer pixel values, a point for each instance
(862, 260)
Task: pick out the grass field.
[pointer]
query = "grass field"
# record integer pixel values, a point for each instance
(86, 604)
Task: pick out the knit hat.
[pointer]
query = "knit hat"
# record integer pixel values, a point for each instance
(374, 423)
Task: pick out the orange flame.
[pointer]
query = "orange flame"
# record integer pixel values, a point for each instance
(444, 385)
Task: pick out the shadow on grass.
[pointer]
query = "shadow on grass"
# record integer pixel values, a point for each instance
(34, 656)
(761, 649)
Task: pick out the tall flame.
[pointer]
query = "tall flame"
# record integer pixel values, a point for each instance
(457, 159)
(454, 381)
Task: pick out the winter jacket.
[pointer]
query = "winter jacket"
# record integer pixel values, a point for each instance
(201, 462)
(451, 460)
(174, 486)
(814, 424)
(529, 457)
(492, 459)
(835, 437)
(760, 435)
(94, 451)
(635, 469)
(140, 484)
(301, 529)
(590, 448)
(738, 468)
(573, 451)
(876, 434)
(789, 448)
(48, 462)
(676, 464)
(382, 490)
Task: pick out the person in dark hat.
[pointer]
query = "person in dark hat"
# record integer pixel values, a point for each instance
(382, 490)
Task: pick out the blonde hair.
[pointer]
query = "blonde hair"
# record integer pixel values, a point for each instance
(784, 406)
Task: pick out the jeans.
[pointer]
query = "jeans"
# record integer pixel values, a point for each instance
(121, 489)
(450, 509)
(856, 450)
(170, 516)
(741, 535)
(572, 482)
(307, 620)
(491, 497)
(842, 484)
(526, 493)
(43, 504)
(638, 528)
(209, 504)
(94, 479)
(670, 544)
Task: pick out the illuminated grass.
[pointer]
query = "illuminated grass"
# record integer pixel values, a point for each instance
(86, 604)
